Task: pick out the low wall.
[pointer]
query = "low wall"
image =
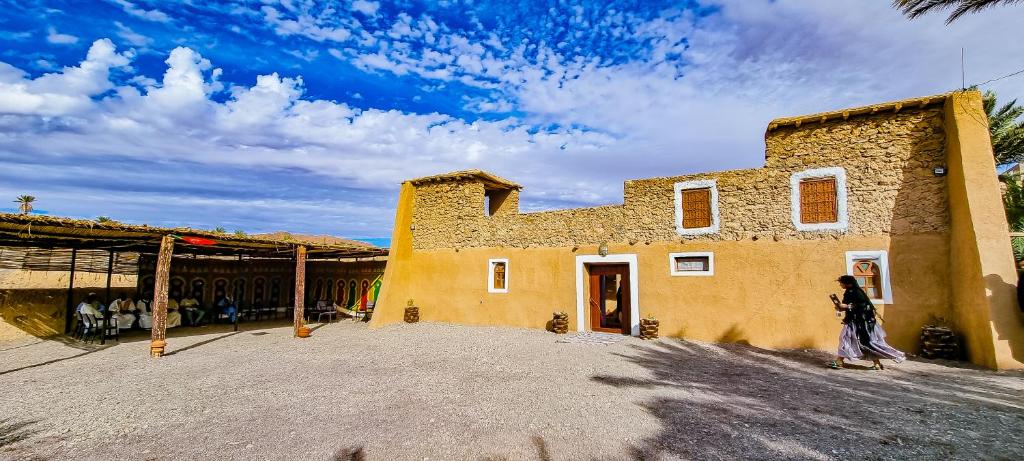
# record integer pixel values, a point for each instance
(41, 311)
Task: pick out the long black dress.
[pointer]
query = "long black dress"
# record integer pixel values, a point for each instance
(862, 336)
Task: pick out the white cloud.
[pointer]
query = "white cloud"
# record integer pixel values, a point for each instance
(131, 36)
(696, 97)
(305, 25)
(58, 38)
(65, 93)
(268, 124)
(149, 15)
(366, 7)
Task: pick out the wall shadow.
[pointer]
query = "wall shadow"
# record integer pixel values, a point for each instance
(1008, 320)
(734, 401)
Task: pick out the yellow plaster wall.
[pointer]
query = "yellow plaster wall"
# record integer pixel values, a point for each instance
(949, 253)
(769, 294)
(35, 301)
(983, 295)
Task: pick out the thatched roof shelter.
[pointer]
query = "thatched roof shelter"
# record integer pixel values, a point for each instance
(25, 239)
(50, 243)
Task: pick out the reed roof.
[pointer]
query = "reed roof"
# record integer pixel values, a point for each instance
(56, 233)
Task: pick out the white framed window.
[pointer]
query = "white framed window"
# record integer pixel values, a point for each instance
(871, 268)
(692, 264)
(696, 204)
(497, 275)
(818, 199)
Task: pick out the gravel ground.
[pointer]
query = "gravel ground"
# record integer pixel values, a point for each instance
(434, 391)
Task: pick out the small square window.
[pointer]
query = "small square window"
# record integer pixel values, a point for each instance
(818, 199)
(696, 207)
(699, 264)
(497, 276)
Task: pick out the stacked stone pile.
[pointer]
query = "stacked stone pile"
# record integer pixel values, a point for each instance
(560, 323)
(412, 314)
(649, 328)
(939, 343)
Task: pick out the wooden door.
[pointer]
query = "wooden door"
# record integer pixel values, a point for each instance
(609, 298)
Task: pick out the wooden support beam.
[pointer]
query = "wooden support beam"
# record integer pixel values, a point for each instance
(110, 274)
(300, 287)
(69, 311)
(163, 273)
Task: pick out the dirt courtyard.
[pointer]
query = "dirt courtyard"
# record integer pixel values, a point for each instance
(440, 392)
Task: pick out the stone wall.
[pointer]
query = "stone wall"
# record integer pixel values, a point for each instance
(888, 158)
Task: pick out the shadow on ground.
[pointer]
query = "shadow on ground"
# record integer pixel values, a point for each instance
(736, 402)
(12, 431)
(63, 348)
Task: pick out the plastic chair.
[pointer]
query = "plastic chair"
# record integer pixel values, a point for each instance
(108, 325)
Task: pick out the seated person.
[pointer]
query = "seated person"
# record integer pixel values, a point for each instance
(142, 310)
(227, 306)
(123, 310)
(88, 307)
(193, 313)
(173, 316)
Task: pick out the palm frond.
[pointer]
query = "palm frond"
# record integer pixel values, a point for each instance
(915, 8)
(1005, 128)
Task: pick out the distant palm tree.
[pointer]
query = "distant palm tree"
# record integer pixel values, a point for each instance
(914, 8)
(220, 230)
(1006, 130)
(240, 233)
(25, 203)
(1013, 201)
(105, 220)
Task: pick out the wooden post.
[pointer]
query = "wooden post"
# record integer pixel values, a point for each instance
(69, 311)
(163, 272)
(300, 287)
(110, 274)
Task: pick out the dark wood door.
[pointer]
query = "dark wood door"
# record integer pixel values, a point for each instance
(609, 298)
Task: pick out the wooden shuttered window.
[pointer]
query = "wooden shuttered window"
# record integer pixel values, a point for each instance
(818, 201)
(869, 277)
(696, 208)
(499, 276)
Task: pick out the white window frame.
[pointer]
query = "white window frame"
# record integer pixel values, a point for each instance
(882, 258)
(842, 218)
(672, 264)
(699, 184)
(490, 275)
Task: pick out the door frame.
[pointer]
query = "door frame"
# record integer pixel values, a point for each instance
(634, 288)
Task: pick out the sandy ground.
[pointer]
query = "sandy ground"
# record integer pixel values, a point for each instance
(432, 391)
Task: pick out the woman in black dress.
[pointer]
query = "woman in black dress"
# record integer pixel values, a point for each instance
(862, 336)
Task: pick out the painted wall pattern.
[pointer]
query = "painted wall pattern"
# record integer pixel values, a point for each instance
(264, 283)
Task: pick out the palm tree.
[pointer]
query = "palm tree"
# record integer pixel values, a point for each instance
(25, 203)
(914, 8)
(1006, 130)
(1013, 201)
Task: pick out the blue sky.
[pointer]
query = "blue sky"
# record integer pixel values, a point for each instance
(306, 115)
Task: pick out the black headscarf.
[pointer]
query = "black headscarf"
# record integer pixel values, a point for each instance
(862, 312)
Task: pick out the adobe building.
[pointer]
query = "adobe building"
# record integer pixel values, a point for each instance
(904, 195)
